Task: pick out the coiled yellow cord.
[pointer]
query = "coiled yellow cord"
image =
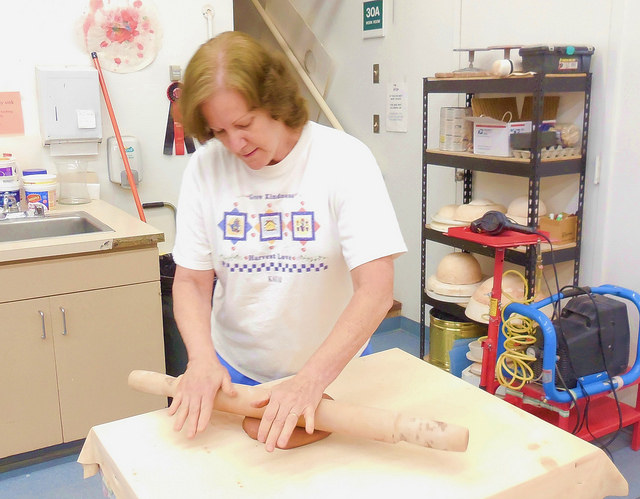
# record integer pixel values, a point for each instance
(512, 367)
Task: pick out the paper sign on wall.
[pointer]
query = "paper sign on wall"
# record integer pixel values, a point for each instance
(396, 107)
(11, 122)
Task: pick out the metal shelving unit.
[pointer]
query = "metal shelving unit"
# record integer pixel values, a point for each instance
(535, 168)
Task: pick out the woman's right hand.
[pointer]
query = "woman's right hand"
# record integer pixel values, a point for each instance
(197, 389)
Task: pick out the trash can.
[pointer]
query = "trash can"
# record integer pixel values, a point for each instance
(175, 353)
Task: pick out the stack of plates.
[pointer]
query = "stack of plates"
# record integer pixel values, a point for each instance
(453, 215)
(475, 355)
(476, 367)
(451, 293)
(476, 209)
(445, 218)
(444, 224)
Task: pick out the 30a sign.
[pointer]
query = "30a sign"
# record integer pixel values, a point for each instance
(373, 18)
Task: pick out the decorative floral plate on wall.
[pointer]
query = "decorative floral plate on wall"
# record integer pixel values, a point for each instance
(125, 34)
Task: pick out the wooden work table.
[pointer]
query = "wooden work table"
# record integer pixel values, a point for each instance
(511, 453)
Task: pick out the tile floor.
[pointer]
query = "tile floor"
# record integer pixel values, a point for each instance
(61, 478)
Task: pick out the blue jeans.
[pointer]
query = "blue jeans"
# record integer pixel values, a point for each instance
(241, 379)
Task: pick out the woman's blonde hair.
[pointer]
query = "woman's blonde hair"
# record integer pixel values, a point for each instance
(235, 61)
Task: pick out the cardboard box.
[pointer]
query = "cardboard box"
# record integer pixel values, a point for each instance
(491, 136)
(562, 231)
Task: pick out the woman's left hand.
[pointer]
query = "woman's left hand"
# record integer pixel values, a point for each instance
(285, 404)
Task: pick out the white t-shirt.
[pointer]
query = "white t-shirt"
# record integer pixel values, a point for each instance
(282, 241)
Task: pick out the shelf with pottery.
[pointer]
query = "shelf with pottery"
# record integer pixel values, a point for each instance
(520, 167)
(561, 252)
(568, 162)
(515, 83)
(78, 315)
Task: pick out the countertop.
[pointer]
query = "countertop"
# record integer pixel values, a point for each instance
(128, 231)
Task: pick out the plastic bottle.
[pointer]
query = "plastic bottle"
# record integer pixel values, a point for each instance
(41, 189)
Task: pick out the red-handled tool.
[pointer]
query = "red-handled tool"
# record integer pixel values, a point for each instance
(116, 131)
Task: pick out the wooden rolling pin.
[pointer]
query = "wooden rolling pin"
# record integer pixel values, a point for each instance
(331, 415)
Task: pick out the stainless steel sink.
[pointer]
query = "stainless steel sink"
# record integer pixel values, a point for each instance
(52, 225)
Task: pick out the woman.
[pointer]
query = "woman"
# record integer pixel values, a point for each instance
(294, 220)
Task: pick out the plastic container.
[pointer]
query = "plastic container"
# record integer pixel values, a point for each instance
(41, 189)
(72, 175)
(558, 60)
(8, 168)
(9, 187)
(34, 171)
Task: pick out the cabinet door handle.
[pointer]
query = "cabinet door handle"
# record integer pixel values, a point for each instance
(44, 331)
(64, 321)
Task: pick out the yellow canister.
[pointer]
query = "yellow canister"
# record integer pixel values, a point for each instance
(444, 330)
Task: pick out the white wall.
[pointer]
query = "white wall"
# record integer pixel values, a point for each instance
(614, 234)
(419, 42)
(44, 33)
(617, 236)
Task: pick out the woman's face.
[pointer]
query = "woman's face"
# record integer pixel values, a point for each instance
(251, 134)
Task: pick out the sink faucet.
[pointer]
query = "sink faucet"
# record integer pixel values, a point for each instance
(11, 209)
(36, 209)
(10, 204)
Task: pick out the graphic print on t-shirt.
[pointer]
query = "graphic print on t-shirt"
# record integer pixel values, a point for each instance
(303, 226)
(234, 225)
(270, 226)
(284, 238)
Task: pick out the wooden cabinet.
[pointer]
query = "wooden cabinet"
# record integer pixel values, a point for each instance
(30, 415)
(67, 354)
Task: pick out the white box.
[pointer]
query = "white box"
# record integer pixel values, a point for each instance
(470, 377)
(491, 136)
(69, 104)
(474, 379)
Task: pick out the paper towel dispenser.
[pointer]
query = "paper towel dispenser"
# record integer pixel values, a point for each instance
(69, 104)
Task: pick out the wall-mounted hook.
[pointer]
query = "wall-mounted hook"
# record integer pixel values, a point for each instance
(208, 13)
